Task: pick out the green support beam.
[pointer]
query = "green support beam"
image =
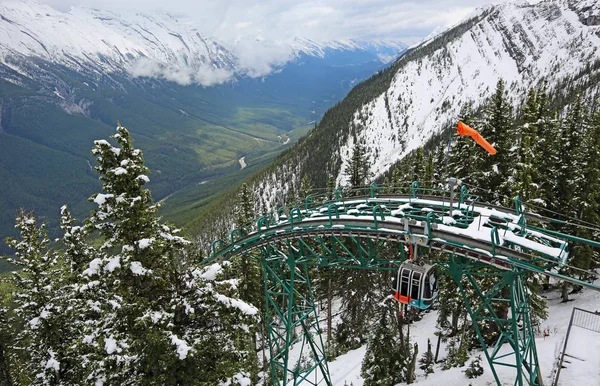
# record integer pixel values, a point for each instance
(355, 229)
(292, 322)
(506, 305)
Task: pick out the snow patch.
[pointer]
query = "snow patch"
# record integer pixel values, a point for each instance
(145, 243)
(113, 264)
(94, 268)
(100, 198)
(182, 347)
(246, 308)
(137, 268)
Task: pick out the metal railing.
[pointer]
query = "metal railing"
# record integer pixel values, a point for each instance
(585, 319)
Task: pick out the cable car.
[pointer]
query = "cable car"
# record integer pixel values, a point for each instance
(416, 285)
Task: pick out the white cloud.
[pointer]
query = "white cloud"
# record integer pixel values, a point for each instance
(314, 19)
(250, 29)
(205, 75)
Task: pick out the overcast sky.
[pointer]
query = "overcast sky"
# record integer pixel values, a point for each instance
(320, 20)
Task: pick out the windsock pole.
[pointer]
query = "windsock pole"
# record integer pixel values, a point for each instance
(465, 130)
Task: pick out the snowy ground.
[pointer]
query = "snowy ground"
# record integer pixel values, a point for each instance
(581, 367)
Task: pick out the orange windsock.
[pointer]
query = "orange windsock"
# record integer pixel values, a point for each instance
(463, 130)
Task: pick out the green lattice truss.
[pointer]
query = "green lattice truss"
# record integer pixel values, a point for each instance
(349, 229)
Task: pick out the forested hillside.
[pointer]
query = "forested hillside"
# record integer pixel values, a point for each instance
(423, 94)
(66, 78)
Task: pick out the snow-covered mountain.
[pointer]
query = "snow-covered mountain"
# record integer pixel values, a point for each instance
(521, 43)
(402, 107)
(196, 104)
(155, 45)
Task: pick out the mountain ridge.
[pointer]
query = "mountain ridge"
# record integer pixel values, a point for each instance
(55, 104)
(143, 44)
(421, 94)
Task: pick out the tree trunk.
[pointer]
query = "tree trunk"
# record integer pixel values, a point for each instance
(4, 373)
(329, 316)
(565, 292)
(437, 348)
(454, 321)
(464, 329)
(264, 329)
(410, 372)
(400, 323)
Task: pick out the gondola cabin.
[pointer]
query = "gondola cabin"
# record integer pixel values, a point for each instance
(416, 285)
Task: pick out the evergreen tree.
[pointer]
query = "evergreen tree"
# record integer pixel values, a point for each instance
(305, 187)
(466, 158)
(547, 150)
(525, 177)
(358, 169)
(387, 355)
(475, 369)
(498, 131)
(6, 337)
(570, 177)
(428, 176)
(38, 307)
(457, 354)
(331, 185)
(247, 271)
(418, 165)
(157, 319)
(569, 173)
(451, 306)
(439, 165)
(244, 209)
(587, 199)
(358, 304)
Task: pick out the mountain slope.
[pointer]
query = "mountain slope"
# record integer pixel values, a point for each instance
(520, 43)
(400, 108)
(66, 78)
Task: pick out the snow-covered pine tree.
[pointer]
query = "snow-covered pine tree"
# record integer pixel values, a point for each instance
(212, 331)
(587, 198)
(155, 314)
(457, 353)
(525, 181)
(451, 306)
(571, 157)
(387, 356)
(439, 163)
(546, 148)
(570, 177)
(525, 161)
(331, 185)
(6, 336)
(466, 157)
(358, 302)
(244, 209)
(497, 131)
(475, 369)
(40, 336)
(428, 173)
(306, 188)
(247, 271)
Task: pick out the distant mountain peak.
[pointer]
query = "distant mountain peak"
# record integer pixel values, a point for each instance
(145, 44)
